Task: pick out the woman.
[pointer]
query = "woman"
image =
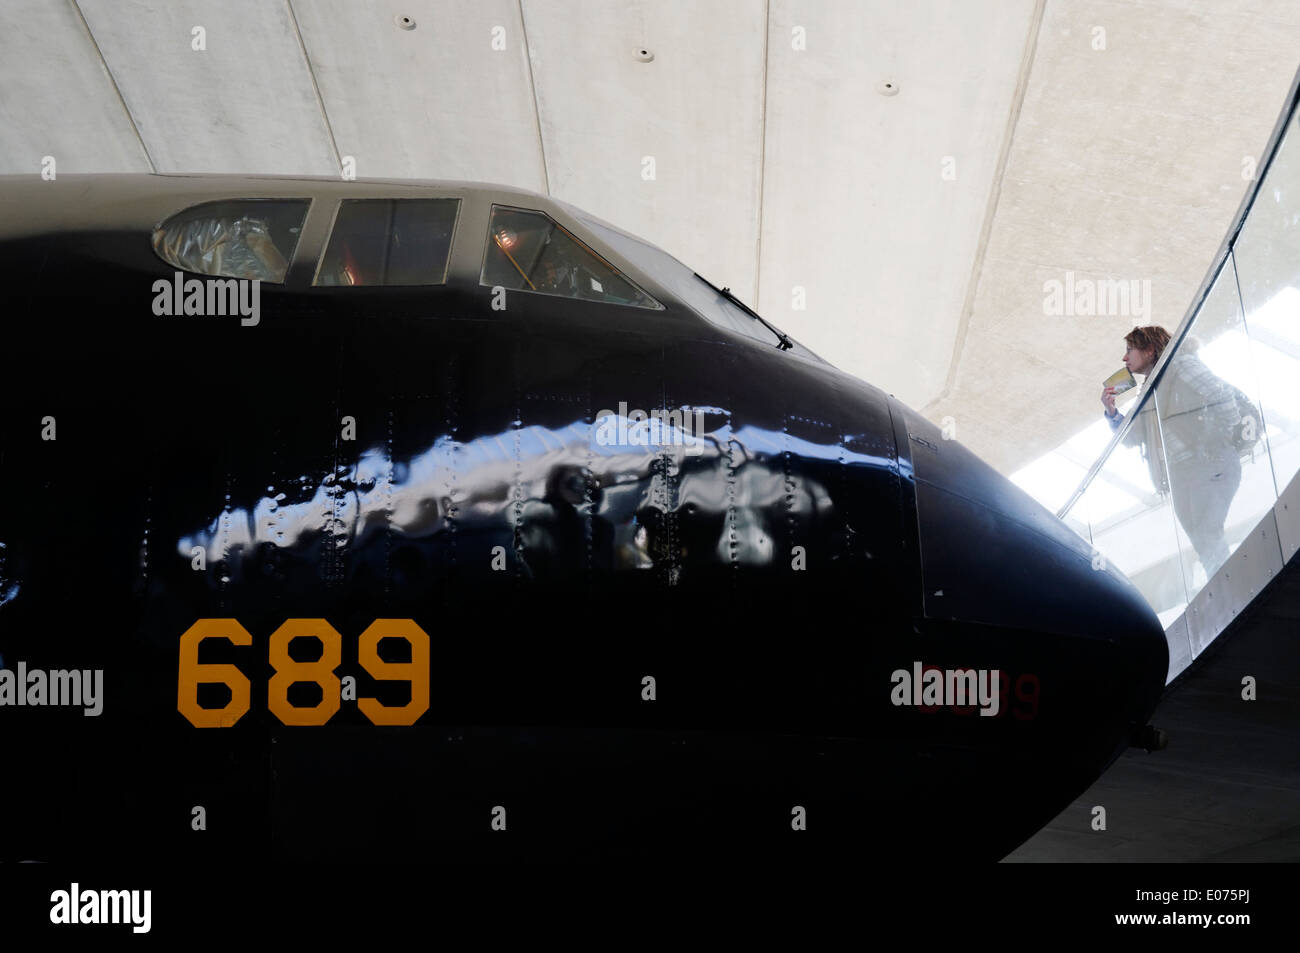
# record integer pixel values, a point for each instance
(1188, 444)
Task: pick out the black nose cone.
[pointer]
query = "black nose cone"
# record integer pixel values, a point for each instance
(992, 556)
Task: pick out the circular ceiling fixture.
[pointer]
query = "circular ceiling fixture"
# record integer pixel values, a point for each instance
(406, 23)
(887, 87)
(645, 55)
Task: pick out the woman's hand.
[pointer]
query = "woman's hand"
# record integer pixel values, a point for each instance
(1108, 401)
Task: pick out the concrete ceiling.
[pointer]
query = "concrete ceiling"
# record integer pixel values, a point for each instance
(891, 183)
(1126, 163)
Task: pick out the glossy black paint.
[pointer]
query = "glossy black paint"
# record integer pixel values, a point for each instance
(474, 430)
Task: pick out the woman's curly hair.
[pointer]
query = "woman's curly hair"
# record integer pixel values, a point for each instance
(1151, 338)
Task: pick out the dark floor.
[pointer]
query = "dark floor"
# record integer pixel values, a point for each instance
(1227, 788)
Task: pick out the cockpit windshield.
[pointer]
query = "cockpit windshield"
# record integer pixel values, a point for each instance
(528, 251)
(389, 242)
(700, 294)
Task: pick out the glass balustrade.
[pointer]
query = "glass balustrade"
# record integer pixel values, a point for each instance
(1215, 434)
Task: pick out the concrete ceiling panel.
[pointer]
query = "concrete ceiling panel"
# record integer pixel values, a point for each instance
(449, 98)
(857, 209)
(695, 109)
(57, 98)
(246, 103)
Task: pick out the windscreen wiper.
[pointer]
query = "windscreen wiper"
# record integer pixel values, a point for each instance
(783, 342)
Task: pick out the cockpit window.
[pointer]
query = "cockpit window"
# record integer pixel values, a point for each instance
(389, 242)
(528, 251)
(699, 294)
(252, 238)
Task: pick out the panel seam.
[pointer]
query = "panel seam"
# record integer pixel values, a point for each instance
(315, 86)
(537, 109)
(991, 208)
(762, 157)
(116, 89)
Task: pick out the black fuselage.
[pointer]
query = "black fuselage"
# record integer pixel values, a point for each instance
(366, 454)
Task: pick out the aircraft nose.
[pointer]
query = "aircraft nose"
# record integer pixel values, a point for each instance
(991, 556)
